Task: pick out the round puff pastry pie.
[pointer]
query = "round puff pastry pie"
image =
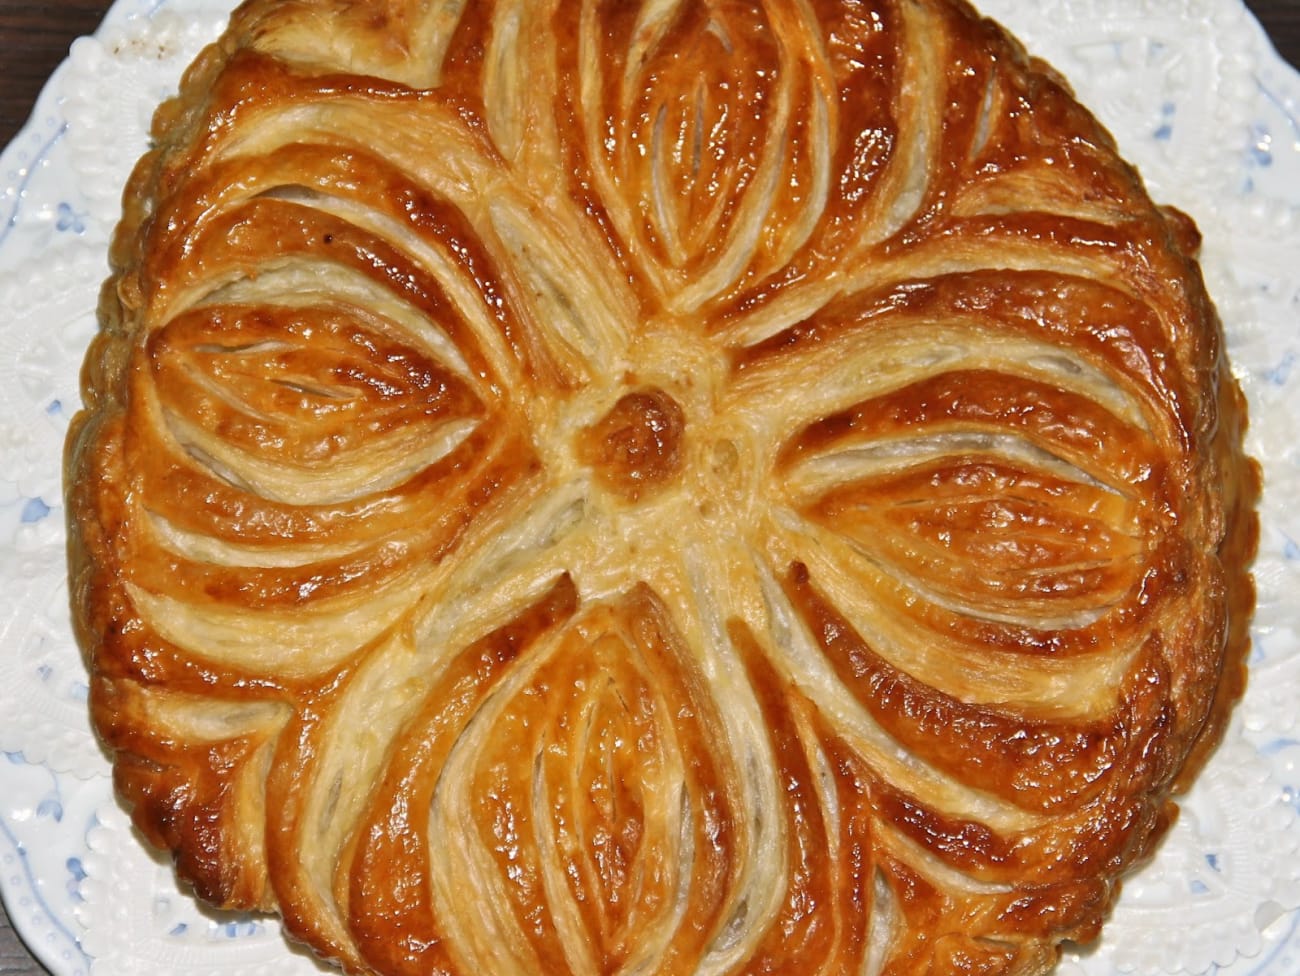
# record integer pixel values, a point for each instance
(665, 487)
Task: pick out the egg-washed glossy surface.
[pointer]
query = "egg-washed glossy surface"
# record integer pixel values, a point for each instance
(655, 488)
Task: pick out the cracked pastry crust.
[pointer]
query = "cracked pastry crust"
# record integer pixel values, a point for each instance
(654, 487)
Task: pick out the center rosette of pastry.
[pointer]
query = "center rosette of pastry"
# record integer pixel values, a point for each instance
(637, 446)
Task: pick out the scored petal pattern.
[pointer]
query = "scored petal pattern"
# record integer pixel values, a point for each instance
(660, 487)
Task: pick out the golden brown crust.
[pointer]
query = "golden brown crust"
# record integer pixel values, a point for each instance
(654, 487)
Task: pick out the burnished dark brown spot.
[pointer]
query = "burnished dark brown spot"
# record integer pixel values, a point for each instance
(637, 446)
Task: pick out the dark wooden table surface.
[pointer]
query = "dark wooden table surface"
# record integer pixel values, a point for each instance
(34, 38)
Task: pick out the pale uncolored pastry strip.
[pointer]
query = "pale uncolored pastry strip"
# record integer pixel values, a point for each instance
(885, 923)
(223, 552)
(519, 85)
(507, 78)
(287, 644)
(652, 22)
(581, 313)
(817, 473)
(1051, 193)
(1100, 259)
(856, 366)
(386, 463)
(784, 310)
(991, 107)
(202, 719)
(923, 861)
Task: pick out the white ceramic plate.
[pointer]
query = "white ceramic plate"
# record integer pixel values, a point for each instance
(1197, 99)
